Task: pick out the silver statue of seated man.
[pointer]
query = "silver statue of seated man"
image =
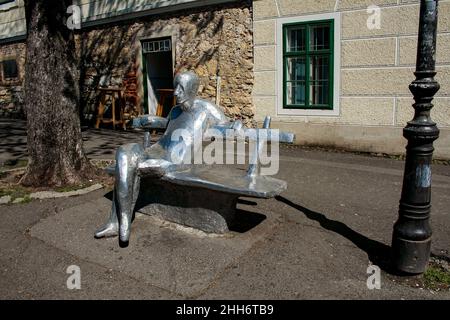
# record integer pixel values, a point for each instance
(191, 114)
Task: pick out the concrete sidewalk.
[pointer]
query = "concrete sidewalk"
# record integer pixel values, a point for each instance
(314, 242)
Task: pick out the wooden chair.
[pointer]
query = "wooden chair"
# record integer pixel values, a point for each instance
(132, 107)
(163, 95)
(116, 95)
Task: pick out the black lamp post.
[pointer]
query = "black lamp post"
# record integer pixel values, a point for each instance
(411, 240)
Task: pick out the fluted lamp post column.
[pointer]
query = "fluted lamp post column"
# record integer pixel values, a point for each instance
(411, 240)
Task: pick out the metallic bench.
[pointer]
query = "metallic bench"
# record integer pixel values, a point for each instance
(205, 196)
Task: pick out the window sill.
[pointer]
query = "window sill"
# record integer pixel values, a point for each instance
(10, 83)
(309, 112)
(308, 108)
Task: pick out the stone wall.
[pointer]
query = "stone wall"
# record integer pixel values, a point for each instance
(376, 66)
(11, 92)
(213, 41)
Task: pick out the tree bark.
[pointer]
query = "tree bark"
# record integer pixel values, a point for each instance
(52, 98)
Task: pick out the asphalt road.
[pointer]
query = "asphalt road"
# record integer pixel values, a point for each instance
(317, 240)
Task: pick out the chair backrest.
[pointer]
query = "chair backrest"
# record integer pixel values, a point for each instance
(130, 92)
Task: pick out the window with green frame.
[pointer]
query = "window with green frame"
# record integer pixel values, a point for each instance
(308, 56)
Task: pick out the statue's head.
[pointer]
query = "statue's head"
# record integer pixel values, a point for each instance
(186, 86)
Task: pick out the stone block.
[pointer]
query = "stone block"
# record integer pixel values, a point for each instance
(386, 81)
(440, 112)
(408, 50)
(265, 106)
(264, 32)
(265, 58)
(291, 7)
(264, 83)
(362, 4)
(263, 9)
(394, 21)
(367, 111)
(370, 52)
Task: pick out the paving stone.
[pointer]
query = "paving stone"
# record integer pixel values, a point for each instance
(176, 259)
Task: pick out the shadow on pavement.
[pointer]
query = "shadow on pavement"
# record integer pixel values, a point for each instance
(379, 253)
(13, 140)
(97, 143)
(244, 221)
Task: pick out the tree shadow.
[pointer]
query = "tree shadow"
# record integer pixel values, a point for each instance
(378, 253)
(13, 140)
(104, 142)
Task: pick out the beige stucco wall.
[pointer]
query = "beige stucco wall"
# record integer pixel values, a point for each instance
(376, 67)
(12, 19)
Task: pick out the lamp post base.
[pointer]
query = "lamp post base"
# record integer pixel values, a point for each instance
(410, 256)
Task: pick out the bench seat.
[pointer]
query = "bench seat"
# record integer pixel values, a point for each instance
(227, 179)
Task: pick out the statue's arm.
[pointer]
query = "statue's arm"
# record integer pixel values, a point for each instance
(216, 115)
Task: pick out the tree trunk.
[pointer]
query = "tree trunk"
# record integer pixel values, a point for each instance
(55, 149)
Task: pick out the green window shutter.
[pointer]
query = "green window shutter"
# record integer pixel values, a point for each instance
(308, 57)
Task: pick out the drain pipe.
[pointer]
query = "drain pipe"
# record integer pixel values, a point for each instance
(218, 80)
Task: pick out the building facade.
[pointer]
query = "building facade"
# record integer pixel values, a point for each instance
(145, 43)
(349, 87)
(335, 72)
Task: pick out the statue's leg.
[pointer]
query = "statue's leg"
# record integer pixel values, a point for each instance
(136, 188)
(125, 194)
(127, 185)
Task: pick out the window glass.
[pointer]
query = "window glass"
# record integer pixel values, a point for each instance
(319, 80)
(296, 39)
(319, 38)
(296, 77)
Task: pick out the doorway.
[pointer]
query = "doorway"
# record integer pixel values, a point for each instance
(158, 73)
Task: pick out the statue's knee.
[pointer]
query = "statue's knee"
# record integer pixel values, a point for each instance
(129, 155)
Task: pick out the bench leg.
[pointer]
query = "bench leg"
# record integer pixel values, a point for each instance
(203, 209)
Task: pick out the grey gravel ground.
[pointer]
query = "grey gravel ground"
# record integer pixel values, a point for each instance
(316, 242)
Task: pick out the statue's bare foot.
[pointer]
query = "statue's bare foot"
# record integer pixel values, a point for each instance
(111, 229)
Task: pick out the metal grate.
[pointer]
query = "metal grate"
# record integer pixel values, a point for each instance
(157, 46)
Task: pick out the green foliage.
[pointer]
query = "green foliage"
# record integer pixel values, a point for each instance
(15, 192)
(15, 163)
(436, 277)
